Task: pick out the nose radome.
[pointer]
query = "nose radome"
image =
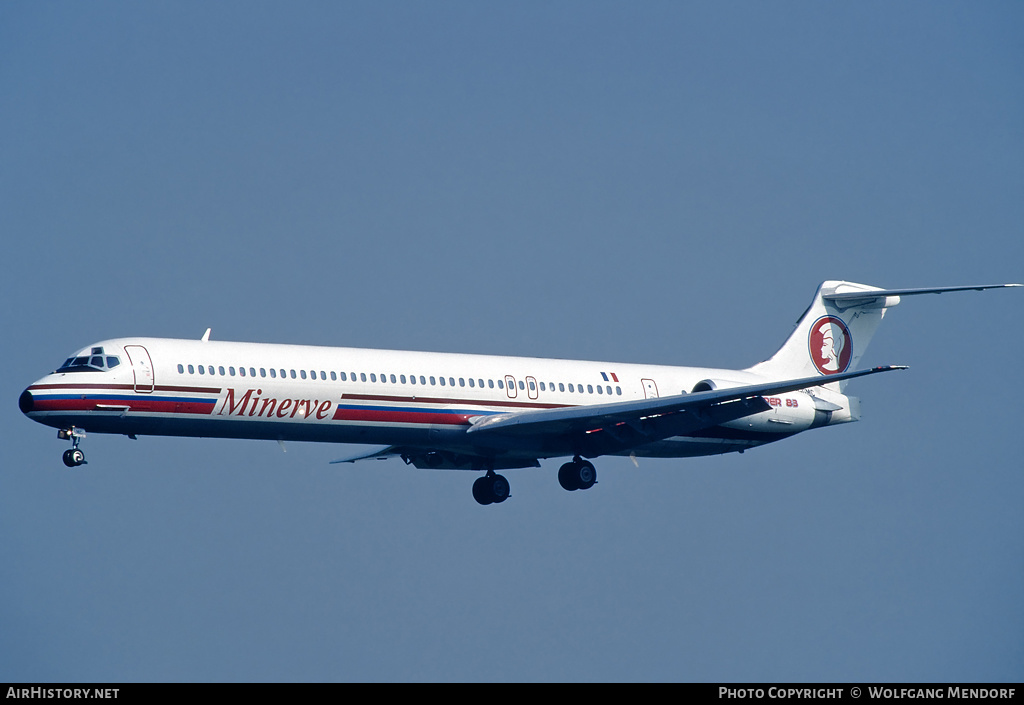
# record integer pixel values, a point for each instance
(26, 402)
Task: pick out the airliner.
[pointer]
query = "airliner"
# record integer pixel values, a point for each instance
(480, 413)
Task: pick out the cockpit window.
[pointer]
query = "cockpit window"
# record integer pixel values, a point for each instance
(95, 361)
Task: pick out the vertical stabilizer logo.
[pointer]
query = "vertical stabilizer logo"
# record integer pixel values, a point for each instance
(830, 345)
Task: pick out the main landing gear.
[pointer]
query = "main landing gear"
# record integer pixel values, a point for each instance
(73, 457)
(578, 474)
(491, 489)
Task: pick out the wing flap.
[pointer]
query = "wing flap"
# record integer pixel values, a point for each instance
(378, 453)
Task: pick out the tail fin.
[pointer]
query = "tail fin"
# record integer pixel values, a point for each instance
(834, 332)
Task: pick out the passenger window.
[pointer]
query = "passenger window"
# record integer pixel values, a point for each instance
(362, 376)
(462, 382)
(618, 390)
(402, 378)
(599, 390)
(412, 379)
(202, 370)
(561, 387)
(181, 369)
(541, 387)
(442, 381)
(451, 381)
(423, 380)
(344, 377)
(481, 383)
(432, 382)
(521, 385)
(373, 377)
(263, 371)
(334, 376)
(490, 384)
(394, 381)
(191, 370)
(252, 371)
(471, 382)
(608, 389)
(590, 389)
(571, 389)
(501, 384)
(293, 373)
(302, 373)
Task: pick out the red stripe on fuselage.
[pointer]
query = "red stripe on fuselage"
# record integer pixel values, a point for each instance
(400, 416)
(134, 404)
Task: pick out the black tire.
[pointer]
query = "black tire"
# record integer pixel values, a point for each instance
(480, 491)
(568, 477)
(68, 459)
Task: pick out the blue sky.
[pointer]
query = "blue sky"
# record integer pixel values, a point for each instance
(653, 182)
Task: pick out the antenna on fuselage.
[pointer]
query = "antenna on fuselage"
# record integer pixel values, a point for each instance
(206, 335)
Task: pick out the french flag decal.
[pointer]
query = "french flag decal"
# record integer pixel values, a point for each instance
(614, 378)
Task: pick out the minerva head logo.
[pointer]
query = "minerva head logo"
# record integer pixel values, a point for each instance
(830, 345)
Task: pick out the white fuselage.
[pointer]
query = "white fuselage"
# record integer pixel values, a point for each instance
(349, 395)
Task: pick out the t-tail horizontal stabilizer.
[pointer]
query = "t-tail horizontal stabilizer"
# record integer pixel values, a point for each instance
(877, 293)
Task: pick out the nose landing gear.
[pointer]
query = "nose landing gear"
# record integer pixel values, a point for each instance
(73, 457)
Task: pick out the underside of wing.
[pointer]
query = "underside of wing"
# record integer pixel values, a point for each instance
(378, 453)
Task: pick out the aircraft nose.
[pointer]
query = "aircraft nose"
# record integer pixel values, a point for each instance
(25, 402)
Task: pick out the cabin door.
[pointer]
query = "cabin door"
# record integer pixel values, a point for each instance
(650, 389)
(142, 367)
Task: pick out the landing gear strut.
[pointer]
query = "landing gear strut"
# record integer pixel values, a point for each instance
(73, 457)
(491, 489)
(579, 474)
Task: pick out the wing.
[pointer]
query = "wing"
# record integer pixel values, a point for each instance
(634, 422)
